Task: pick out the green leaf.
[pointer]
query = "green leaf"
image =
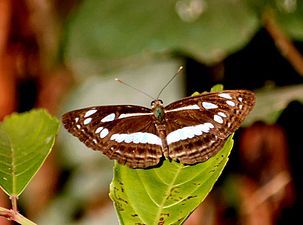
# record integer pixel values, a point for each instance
(289, 15)
(272, 101)
(217, 87)
(26, 140)
(167, 194)
(113, 31)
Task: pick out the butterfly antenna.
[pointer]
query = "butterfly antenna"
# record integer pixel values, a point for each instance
(173, 77)
(132, 87)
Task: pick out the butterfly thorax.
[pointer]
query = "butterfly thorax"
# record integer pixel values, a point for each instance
(158, 110)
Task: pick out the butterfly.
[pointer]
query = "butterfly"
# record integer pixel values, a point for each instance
(190, 130)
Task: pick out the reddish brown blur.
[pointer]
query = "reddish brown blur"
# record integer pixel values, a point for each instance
(261, 188)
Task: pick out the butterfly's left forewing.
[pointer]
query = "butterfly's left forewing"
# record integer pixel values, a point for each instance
(197, 127)
(126, 133)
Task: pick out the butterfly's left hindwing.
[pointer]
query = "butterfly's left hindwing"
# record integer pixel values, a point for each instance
(125, 133)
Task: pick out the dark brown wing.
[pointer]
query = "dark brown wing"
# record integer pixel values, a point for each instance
(125, 133)
(197, 127)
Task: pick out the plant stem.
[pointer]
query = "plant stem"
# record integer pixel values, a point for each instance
(23, 220)
(13, 214)
(284, 44)
(10, 214)
(6, 213)
(14, 199)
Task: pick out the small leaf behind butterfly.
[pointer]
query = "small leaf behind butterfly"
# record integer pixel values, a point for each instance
(164, 195)
(217, 87)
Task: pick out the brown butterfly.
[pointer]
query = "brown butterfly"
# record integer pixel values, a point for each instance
(189, 131)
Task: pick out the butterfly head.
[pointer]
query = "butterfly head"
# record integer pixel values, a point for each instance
(156, 102)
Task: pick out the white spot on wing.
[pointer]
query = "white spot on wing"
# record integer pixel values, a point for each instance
(231, 103)
(218, 119)
(87, 121)
(138, 137)
(124, 115)
(98, 130)
(103, 133)
(188, 132)
(184, 108)
(90, 112)
(222, 114)
(109, 118)
(117, 137)
(206, 126)
(78, 126)
(209, 105)
(77, 119)
(240, 99)
(225, 95)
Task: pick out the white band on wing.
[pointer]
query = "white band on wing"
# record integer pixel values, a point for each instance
(138, 137)
(184, 108)
(188, 132)
(124, 115)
